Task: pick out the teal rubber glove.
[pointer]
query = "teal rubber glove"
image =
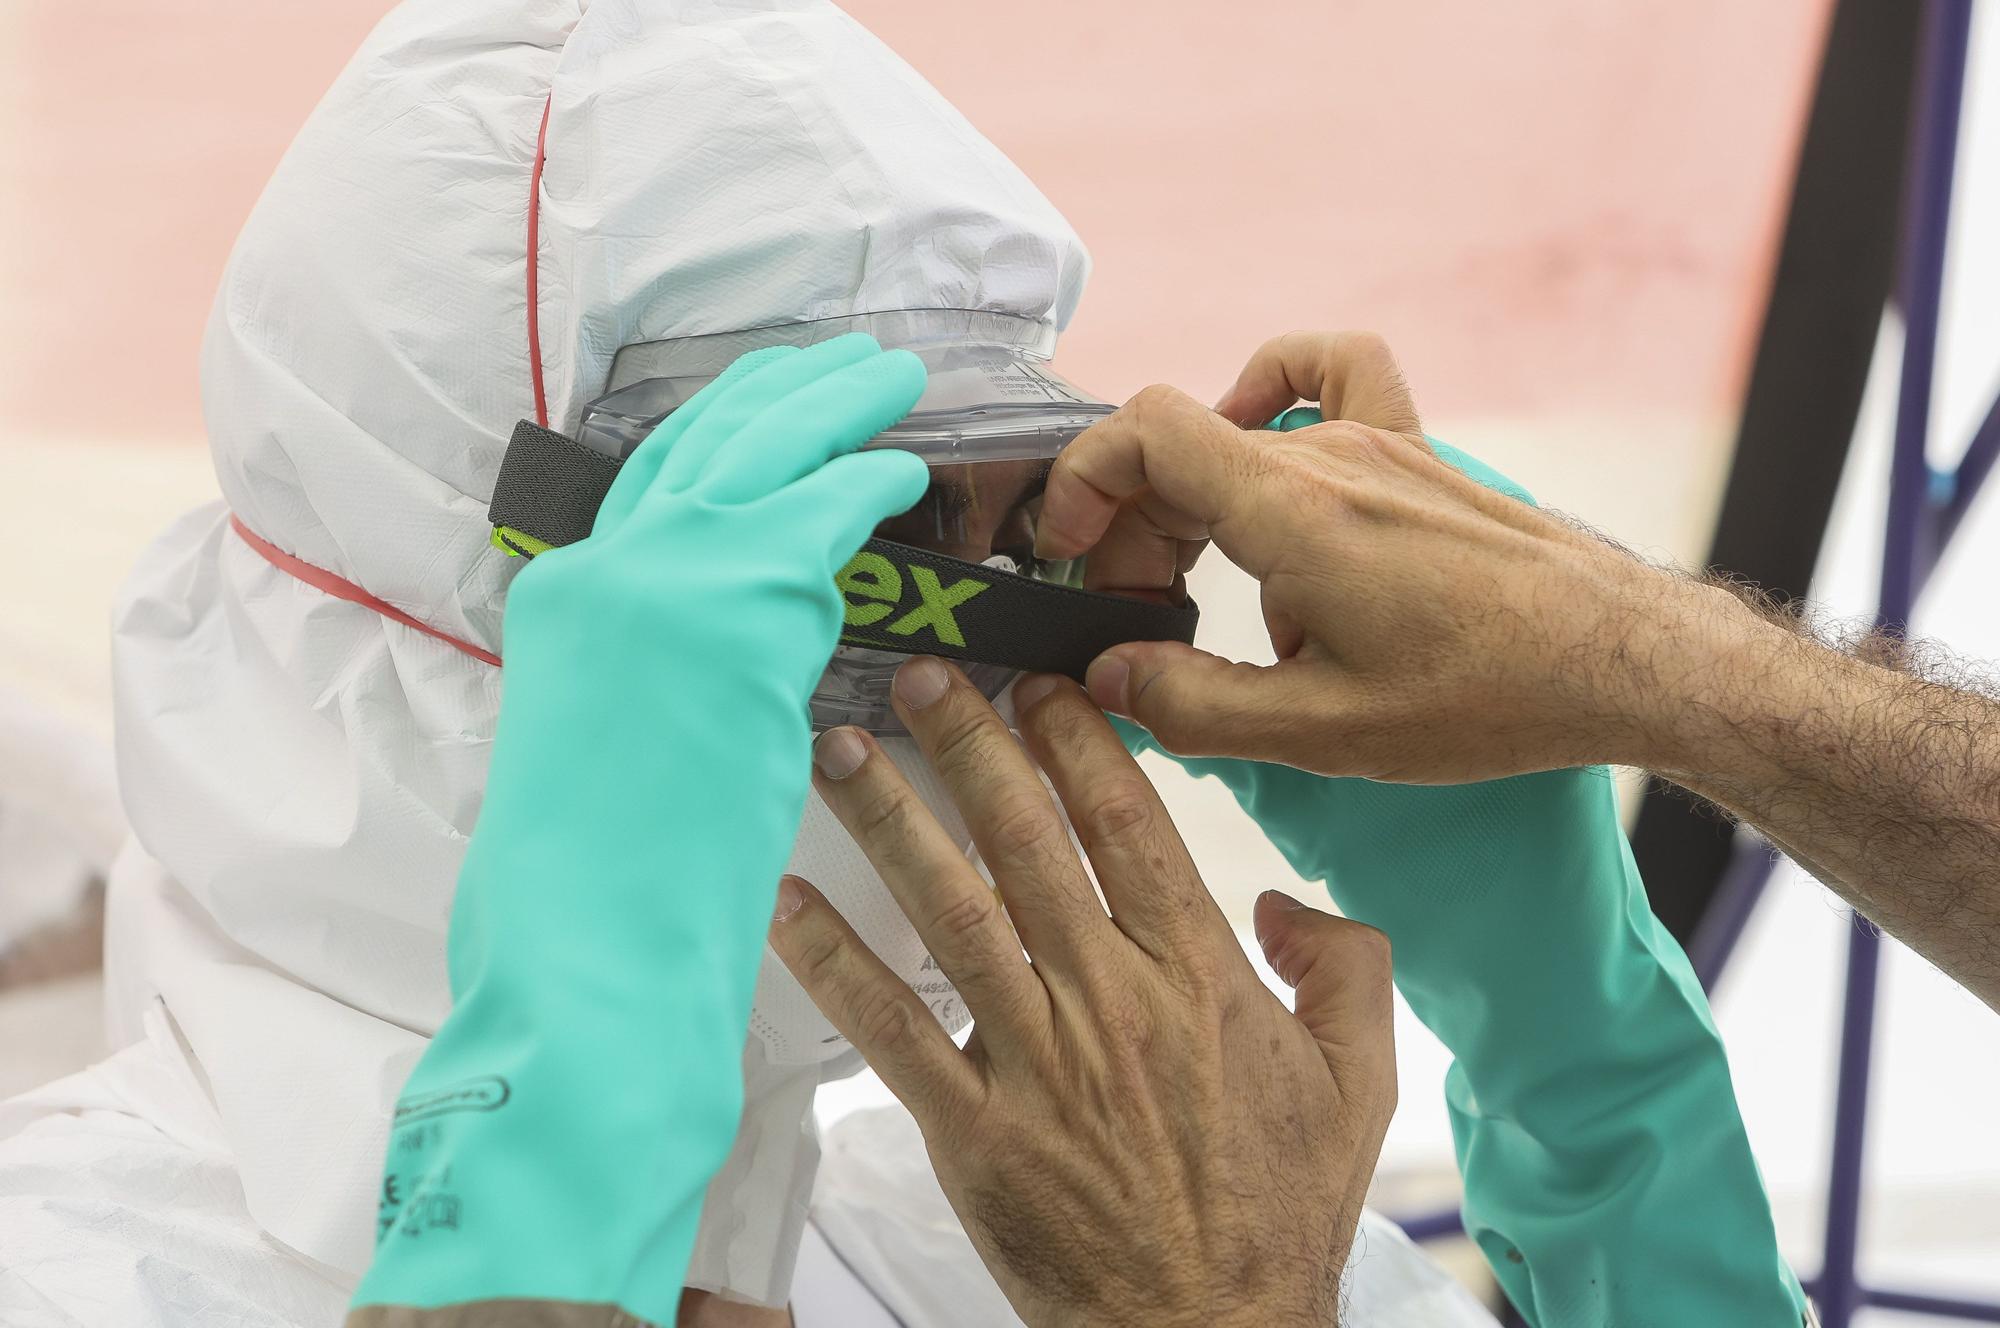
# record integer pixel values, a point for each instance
(1608, 1178)
(648, 775)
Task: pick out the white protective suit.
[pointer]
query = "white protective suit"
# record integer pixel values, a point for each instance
(301, 770)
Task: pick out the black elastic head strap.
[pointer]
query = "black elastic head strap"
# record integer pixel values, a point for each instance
(899, 598)
(549, 490)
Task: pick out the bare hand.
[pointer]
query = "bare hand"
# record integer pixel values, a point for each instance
(1428, 629)
(1138, 1132)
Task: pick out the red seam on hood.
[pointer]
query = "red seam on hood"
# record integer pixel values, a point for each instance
(534, 264)
(341, 588)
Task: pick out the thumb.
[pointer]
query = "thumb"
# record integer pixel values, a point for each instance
(1198, 704)
(1352, 375)
(1339, 973)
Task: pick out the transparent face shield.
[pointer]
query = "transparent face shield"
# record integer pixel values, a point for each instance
(989, 425)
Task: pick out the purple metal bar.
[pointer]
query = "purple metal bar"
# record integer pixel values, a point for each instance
(1751, 863)
(1973, 468)
(1919, 525)
(1945, 1307)
(1909, 549)
(1433, 1226)
(1839, 1292)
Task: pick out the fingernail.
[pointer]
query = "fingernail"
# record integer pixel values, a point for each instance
(1032, 689)
(1106, 682)
(790, 897)
(921, 681)
(839, 753)
(1277, 899)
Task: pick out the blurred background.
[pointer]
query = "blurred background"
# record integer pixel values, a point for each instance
(1592, 232)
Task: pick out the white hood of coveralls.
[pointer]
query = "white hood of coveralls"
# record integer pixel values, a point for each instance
(301, 771)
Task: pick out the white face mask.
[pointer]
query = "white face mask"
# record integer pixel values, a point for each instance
(783, 1017)
(755, 1211)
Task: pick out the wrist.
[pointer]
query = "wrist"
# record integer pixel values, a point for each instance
(1282, 1315)
(1722, 695)
(1305, 1298)
(1686, 673)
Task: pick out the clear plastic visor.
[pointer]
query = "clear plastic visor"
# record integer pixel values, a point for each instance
(990, 424)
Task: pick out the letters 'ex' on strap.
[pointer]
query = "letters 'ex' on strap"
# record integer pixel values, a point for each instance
(899, 598)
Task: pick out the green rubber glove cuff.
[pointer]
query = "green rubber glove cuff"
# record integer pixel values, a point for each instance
(1608, 1178)
(651, 764)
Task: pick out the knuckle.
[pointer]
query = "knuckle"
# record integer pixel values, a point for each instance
(1303, 465)
(1362, 343)
(1203, 976)
(883, 1021)
(884, 814)
(1346, 438)
(1295, 345)
(975, 975)
(1127, 1026)
(968, 917)
(1120, 809)
(957, 746)
(818, 960)
(1020, 826)
(1063, 721)
(1368, 950)
(1157, 399)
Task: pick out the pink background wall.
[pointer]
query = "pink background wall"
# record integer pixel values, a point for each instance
(1563, 206)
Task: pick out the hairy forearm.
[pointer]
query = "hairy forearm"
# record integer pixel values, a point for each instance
(1867, 765)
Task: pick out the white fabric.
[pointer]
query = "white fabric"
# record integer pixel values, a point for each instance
(172, 1240)
(122, 1207)
(303, 772)
(755, 1210)
(791, 1027)
(59, 820)
(829, 1294)
(880, 1209)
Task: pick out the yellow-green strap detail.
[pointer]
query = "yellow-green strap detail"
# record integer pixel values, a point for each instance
(898, 598)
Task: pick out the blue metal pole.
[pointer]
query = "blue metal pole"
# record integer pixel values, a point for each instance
(1945, 1307)
(1434, 1226)
(1839, 1290)
(1728, 914)
(1920, 522)
(1973, 468)
(1910, 548)
(1908, 551)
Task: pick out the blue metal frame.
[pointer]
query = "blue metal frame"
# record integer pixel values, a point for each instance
(1925, 509)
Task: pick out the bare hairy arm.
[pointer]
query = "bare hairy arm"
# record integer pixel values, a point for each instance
(1872, 762)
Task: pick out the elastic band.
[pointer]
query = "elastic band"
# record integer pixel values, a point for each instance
(534, 266)
(900, 598)
(341, 588)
